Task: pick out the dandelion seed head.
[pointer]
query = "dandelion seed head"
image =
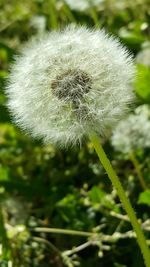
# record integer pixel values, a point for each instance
(134, 132)
(143, 57)
(69, 83)
(72, 85)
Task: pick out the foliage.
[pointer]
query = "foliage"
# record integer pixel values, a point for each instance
(41, 186)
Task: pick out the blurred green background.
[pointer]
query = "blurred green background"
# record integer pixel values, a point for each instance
(42, 186)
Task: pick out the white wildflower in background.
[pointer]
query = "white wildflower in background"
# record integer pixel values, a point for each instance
(38, 23)
(133, 132)
(82, 5)
(70, 83)
(143, 57)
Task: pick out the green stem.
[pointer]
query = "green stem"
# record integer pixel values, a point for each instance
(48, 243)
(125, 201)
(62, 231)
(95, 18)
(138, 170)
(53, 15)
(6, 250)
(69, 13)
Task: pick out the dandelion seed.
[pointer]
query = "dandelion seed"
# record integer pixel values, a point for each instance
(69, 83)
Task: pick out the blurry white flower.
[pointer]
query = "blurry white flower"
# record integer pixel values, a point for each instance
(39, 23)
(143, 57)
(133, 132)
(82, 5)
(69, 84)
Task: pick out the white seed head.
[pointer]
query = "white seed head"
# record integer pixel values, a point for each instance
(134, 132)
(82, 5)
(143, 57)
(70, 83)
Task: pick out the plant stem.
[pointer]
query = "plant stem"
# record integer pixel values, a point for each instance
(95, 18)
(125, 201)
(62, 231)
(53, 15)
(69, 13)
(48, 243)
(6, 250)
(78, 249)
(138, 170)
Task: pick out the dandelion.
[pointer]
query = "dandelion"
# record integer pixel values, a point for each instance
(143, 57)
(69, 83)
(73, 84)
(133, 134)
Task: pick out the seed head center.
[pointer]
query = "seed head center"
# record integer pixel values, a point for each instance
(72, 85)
